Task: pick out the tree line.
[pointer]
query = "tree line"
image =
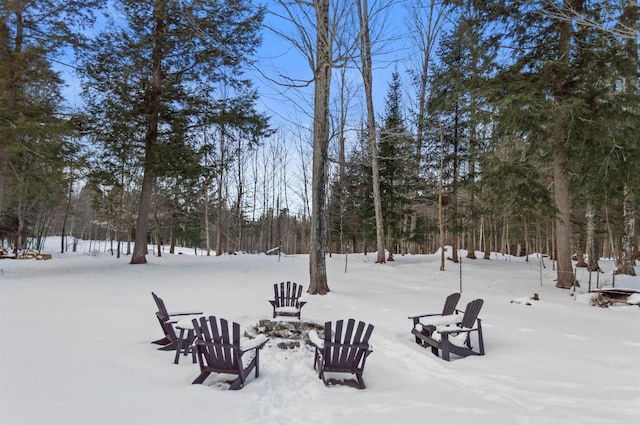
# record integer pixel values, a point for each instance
(511, 127)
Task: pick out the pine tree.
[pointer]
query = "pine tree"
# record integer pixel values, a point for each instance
(449, 101)
(467, 55)
(397, 165)
(566, 75)
(166, 51)
(37, 137)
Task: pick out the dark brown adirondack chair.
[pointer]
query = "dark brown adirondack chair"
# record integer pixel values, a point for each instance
(287, 299)
(455, 338)
(342, 350)
(167, 321)
(220, 350)
(448, 310)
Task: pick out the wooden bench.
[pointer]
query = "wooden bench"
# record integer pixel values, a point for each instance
(454, 337)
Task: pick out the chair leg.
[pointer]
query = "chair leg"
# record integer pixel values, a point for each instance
(257, 360)
(321, 373)
(200, 379)
(445, 351)
(315, 360)
(190, 346)
(162, 341)
(170, 347)
(179, 347)
(238, 383)
(360, 381)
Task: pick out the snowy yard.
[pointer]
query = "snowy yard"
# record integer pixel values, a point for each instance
(75, 335)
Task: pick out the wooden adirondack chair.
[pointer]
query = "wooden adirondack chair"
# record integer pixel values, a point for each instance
(220, 350)
(342, 350)
(167, 321)
(287, 299)
(447, 315)
(455, 338)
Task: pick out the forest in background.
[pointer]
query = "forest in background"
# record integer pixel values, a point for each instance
(509, 126)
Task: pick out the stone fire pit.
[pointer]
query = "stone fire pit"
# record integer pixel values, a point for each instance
(286, 334)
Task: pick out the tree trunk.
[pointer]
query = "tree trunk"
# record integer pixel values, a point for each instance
(240, 193)
(440, 201)
(626, 262)
(66, 213)
(207, 232)
(219, 191)
(156, 220)
(566, 278)
(454, 195)
(367, 78)
(486, 238)
(322, 74)
(591, 244)
(151, 139)
(11, 84)
(426, 43)
(342, 153)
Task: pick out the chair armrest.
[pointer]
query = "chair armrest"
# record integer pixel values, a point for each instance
(184, 313)
(424, 315)
(315, 339)
(450, 319)
(456, 330)
(179, 319)
(301, 302)
(254, 343)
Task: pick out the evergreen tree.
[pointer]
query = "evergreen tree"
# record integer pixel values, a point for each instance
(36, 136)
(397, 164)
(449, 103)
(467, 55)
(562, 84)
(165, 52)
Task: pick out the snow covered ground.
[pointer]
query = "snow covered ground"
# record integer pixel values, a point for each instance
(75, 335)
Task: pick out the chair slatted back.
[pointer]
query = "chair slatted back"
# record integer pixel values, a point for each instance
(223, 354)
(162, 309)
(345, 350)
(287, 294)
(450, 304)
(471, 313)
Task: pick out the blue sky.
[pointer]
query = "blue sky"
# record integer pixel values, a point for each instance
(277, 56)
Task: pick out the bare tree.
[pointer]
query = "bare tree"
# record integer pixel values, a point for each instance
(426, 18)
(322, 76)
(612, 19)
(319, 29)
(367, 78)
